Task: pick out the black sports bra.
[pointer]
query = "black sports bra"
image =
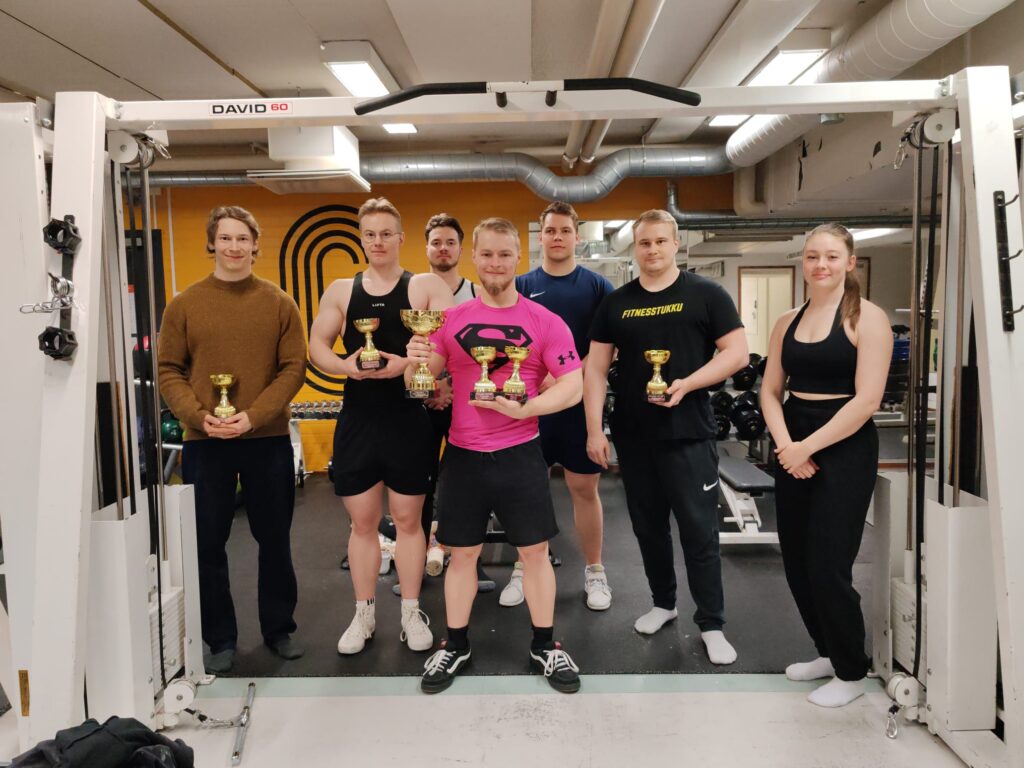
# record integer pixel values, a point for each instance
(826, 367)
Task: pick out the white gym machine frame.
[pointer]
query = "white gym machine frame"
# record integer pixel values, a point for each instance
(53, 402)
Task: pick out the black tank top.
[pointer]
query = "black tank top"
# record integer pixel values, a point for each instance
(391, 337)
(826, 367)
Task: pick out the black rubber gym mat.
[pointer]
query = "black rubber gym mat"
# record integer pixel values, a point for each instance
(762, 621)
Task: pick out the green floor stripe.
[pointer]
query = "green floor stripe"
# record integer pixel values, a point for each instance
(476, 685)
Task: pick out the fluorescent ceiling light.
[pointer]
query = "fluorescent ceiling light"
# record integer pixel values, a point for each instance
(872, 234)
(730, 121)
(399, 127)
(358, 78)
(614, 223)
(785, 67)
(793, 56)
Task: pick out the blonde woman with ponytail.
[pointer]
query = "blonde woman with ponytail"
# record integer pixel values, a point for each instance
(832, 354)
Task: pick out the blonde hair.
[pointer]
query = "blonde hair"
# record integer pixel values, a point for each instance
(851, 286)
(655, 216)
(496, 224)
(379, 205)
(237, 213)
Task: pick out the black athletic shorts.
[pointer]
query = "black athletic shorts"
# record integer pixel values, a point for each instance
(563, 438)
(513, 483)
(387, 443)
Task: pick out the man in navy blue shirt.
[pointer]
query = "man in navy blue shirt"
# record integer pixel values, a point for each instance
(573, 293)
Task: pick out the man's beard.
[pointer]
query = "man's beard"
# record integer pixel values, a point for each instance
(495, 288)
(444, 267)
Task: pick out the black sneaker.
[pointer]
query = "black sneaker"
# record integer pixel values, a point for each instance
(442, 667)
(558, 667)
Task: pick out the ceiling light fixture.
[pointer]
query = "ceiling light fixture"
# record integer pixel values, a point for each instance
(357, 66)
(399, 127)
(860, 235)
(793, 56)
(358, 78)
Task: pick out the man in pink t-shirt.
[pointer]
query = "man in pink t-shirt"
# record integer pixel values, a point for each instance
(494, 460)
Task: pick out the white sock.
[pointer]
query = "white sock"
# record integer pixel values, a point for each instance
(414, 603)
(836, 692)
(366, 603)
(653, 620)
(720, 651)
(810, 670)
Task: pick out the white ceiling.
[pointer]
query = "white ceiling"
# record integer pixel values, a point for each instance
(200, 49)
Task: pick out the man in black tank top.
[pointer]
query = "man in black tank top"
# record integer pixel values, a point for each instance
(382, 440)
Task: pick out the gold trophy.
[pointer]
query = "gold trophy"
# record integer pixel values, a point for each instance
(369, 358)
(656, 386)
(224, 409)
(514, 387)
(422, 322)
(485, 389)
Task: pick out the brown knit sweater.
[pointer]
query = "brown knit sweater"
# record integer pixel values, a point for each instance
(250, 328)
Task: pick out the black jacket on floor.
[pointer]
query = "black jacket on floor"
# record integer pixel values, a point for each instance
(118, 743)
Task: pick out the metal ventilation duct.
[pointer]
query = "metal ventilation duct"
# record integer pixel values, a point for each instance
(607, 174)
(897, 37)
(723, 221)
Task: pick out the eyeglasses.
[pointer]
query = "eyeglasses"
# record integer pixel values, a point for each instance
(384, 236)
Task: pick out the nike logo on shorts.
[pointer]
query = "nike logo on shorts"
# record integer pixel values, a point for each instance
(709, 487)
(537, 294)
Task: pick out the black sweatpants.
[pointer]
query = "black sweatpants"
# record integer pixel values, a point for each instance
(681, 477)
(821, 523)
(266, 470)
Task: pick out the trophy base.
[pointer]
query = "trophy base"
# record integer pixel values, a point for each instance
(368, 365)
(224, 413)
(657, 397)
(421, 394)
(516, 397)
(483, 396)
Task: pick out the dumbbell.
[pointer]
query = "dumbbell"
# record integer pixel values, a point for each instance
(761, 365)
(746, 377)
(722, 426)
(722, 402)
(746, 417)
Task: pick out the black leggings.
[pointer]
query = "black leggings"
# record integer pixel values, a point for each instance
(821, 523)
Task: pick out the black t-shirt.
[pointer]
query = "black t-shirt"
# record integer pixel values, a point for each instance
(686, 318)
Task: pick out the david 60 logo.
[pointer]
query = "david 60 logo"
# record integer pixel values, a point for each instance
(239, 109)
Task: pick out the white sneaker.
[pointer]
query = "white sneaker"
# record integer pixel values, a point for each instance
(359, 631)
(512, 594)
(387, 554)
(415, 632)
(599, 594)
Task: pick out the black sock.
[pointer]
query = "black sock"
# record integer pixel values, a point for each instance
(543, 639)
(458, 638)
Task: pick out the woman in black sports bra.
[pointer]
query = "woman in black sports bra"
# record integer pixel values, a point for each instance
(832, 354)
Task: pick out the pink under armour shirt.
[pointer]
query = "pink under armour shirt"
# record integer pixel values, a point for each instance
(526, 324)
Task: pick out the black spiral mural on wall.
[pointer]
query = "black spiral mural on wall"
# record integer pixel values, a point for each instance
(321, 246)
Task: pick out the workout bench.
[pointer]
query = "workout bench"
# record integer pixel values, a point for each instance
(740, 482)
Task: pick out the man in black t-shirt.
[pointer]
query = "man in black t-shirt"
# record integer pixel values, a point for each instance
(667, 452)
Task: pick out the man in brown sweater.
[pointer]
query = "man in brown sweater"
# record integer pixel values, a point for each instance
(234, 322)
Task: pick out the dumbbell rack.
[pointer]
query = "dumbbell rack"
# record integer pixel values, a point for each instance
(315, 410)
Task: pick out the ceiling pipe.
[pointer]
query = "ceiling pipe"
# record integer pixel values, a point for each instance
(625, 163)
(634, 40)
(611, 23)
(718, 221)
(897, 37)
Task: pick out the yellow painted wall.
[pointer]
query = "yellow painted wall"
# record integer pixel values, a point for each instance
(286, 220)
